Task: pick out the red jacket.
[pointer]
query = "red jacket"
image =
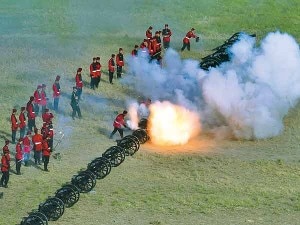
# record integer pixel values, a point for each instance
(46, 148)
(5, 148)
(47, 117)
(43, 98)
(56, 90)
(120, 59)
(14, 122)
(187, 37)
(37, 140)
(5, 162)
(78, 80)
(30, 110)
(26, 144)
(22, 120)
(166, 33)
(93, 70)
(111, 65)
(119, 121)
(37, 97)
(19, 153)
(98, 69)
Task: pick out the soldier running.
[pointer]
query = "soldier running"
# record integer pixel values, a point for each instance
(186, 39)
(118, 124)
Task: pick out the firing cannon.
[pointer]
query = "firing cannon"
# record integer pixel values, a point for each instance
(130, 144)
(69, 194)
(53, 208)
(35, 218)
(100, 166)
(221, 53)
(115, 154)
(85, 181)
(143, 123)
(142, 135)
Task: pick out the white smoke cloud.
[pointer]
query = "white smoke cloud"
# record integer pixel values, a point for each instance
(245, 98)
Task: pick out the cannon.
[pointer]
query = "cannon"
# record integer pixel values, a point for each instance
(35, 218)
(221, 53)
(142, 135)
(115, 154)
(143, 123)
(69, 194)
(100, 166)
(85, 181)
(130, 144)
(53, 208)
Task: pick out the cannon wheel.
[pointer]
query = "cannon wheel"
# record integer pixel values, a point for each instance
(85, 181)
(142, 135)
(129, 144)
(35, 218)
(53, 208)
(115, 155)
(100, 166)
(69, 194)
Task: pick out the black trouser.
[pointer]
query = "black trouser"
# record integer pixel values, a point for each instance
(46, 161)
(111, 76)
(18, 165)
(97, 81)
(76, 109)
(120, 130)
(50, 143)
(22, 132)
(93, 82)
(166, 44)
(31, 124)
(36, 108)
(13, 136)
(119, 71)
(37, 157)
(186, 45)
(4, 178)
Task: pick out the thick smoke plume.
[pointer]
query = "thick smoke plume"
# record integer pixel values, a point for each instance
(246, 98)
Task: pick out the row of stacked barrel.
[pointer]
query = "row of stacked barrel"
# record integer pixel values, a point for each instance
(83, 182)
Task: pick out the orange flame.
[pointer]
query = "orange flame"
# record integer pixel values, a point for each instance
(171, 124)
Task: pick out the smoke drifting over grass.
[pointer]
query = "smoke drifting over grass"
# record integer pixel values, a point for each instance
(246, 98)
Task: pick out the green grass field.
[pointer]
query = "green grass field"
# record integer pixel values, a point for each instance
(209, 182)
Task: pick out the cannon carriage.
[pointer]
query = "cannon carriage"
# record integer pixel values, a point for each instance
(100, 166)
(53, 208)
(130, 144)
(85, 181)
(35, 218)
(69, 194)
(114, 154)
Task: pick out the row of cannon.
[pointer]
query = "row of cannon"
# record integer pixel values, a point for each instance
(221, 53)
(83, 182)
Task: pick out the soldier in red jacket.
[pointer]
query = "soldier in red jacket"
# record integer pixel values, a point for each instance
(120, 62)
(149, 32)
(118, 124)
(93, 70)
(111, 68)
(30, 114)
(14, 126)
(56, 93)
(186, 39)
(19, 156)
(79, 82)
(134, 52)
(166, 33)
(37, 99)
(5, 165)
(37, 140)
(47, 116)
(98, 72)
(22, 124)
(27, 147)
(46, 153)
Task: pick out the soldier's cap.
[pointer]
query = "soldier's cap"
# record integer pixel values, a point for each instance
(31, 98)
(97, 58)
(150, 28)
(28, 132)
(124, 112)
(43, 85)
(136, 46)
(23, 108)
(57, 78)
(113, 55)
(94, 58)
(7, 142)
(120, 49)
(166, 25)
(79, 69)
(193, 29)
(39, 86)
(14, 110)
(20, 139)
